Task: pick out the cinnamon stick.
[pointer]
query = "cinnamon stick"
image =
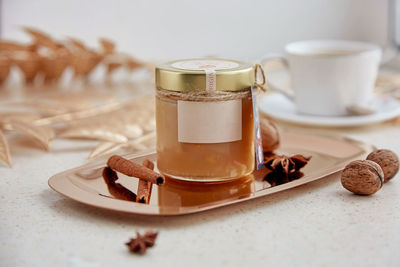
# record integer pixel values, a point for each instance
(116, 189)
(133, 169)
(144, 187)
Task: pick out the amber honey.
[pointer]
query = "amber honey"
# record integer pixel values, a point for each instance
(204, 118)
(202, 161)
(174, 195)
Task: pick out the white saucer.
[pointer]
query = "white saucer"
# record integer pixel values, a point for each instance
(281, 108)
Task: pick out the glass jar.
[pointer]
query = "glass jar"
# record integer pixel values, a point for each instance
(204, 119)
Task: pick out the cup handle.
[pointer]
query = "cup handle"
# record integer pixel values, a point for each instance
(280, 57)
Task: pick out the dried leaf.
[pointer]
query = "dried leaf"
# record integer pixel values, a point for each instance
(41, 38)
(54, 64)
(57, 107)
(105, 148)
(111, 67)
(138, 146)
(134, 64)
(77, 43)
(12, 46)
(4, 150)
(18, 116)
(107, 45)
(94, 133)
(143, 142)
(131, 130)
(78, 115)
(42, 134)
(84, 62)
(68, 102)
(47, 109)
(28, 62)
(5, 63)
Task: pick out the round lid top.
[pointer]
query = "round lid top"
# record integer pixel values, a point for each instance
(191, 74)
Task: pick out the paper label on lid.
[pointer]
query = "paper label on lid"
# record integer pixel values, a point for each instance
(209, 122)
(204, 64)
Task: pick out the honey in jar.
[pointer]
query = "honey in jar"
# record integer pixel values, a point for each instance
(204, 119)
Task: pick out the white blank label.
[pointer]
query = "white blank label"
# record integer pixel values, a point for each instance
(209, 122)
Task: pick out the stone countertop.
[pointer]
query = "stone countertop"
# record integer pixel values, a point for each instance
(317, 224)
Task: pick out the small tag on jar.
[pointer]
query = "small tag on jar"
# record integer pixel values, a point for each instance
(257, 133)
(209, 122)
(211, 80)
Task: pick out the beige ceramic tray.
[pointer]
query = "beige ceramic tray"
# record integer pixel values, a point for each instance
(85, 184)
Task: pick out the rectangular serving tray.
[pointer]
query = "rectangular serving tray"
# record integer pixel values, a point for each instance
(329, 155)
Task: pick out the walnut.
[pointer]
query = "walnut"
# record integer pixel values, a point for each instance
(269, 134)
(362, 177)
(388, 161)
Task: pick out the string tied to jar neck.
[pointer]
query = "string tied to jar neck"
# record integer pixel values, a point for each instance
(216, 95)
(259, 73)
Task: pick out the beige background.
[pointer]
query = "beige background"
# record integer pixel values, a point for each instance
(160, 30)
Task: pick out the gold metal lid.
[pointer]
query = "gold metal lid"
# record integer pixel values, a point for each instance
(190, 74)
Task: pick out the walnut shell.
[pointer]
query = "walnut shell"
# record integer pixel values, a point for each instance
(388, 161)
(269, 134)
(362, 177)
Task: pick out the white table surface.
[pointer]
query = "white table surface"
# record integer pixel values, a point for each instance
(318, 224)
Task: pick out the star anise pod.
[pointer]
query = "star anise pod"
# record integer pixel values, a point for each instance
(142, 242)
(284, 168)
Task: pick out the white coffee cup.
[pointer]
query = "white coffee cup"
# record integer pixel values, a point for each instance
(331, 76)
